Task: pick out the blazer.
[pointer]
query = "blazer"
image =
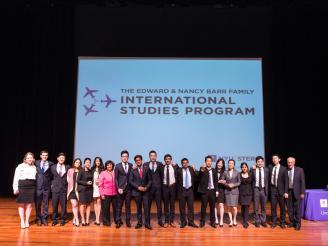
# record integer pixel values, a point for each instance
(266, 179)
(59, 184)
(136, 181)
(43, 180)
(70, 182)
(193, 175)
(234, 180)
(157, 178)
(282, 180)
(82, 180)
(298, 182)
(122, 178)
(203, 180)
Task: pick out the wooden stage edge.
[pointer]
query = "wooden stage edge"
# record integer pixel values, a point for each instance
(311, 233)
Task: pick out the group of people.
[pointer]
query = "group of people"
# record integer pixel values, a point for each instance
(109, 187)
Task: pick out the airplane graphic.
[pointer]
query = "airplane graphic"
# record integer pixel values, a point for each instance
(89, 92)
(108, 101)
(89, 109)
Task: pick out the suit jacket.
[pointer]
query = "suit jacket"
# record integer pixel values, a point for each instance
(162, 170)
(282, 180)
(266, 179)
(59, 184)
(82, 180)
(298, 182)
(157, 178)
(193, 175)
(203, 180)
(43, 180)
(234, 180)
(136, 181)
(122, 178)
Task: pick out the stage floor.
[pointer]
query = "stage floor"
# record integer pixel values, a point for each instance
(311, 233)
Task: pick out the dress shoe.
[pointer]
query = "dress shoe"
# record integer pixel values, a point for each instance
(257, 225)
(264, 224)
(44, 222)
(62, 223)
(161, 224)
(283, 226)
(148, 227)
(213, 225)
(118, 225)
(128, 224)
(38, 223)
(273, 226)
(202, 224)
(54, 223)
(183, 225)
(138, 226)
(290, 225)
(298, 227)
(173, 225)
(165, 225)
(193, 225)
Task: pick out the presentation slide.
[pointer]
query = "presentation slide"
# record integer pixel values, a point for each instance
(185, 107)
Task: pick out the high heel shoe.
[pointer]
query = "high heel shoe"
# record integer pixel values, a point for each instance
(22, 225)
(235, 224)
(83, 224)
(221, 225)
(27, 225)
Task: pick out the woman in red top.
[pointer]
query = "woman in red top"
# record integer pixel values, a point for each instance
(108, 192)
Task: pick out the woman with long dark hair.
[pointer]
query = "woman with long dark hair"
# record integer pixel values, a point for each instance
(97, 168)
(219, 206)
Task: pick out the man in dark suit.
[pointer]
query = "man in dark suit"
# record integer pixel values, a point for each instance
(122, 173)
(278, 190)
(59, 188)
(296, 190)
(208, 187)
(169, 174)
(155, 191)
(261, 190)
(186, 184)
(43, 186)
(140, 181)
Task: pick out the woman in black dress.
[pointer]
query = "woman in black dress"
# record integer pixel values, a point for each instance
(24, 187)
(85, 189)
(220, 168)
(245, 192)
(72, 193)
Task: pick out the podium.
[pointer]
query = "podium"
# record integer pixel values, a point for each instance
(314, 206)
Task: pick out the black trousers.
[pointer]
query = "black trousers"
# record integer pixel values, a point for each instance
(245, 213)
(186, 197)
(155, 193)
(124, 198)
(142, 200)
(42, 197)
(275, 200)
(260, 198)
(169, 202)
(59, 198)
(105, 209)
(208, 197)
(294, 209)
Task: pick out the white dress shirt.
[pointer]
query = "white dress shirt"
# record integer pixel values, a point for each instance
(171, 173)
(258, 177)
(23, 171)
(277, 167)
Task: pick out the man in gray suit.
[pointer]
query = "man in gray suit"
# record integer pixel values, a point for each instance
(261, 190)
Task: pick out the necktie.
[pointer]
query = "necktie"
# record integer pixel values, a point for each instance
(186, 179)
(209, 180)
(42, 167)
(153, 167)
(290, 177)
(167, 175)
(126, 167)
(275, 177)
(260, 178)
(140, 172)
(60, 171)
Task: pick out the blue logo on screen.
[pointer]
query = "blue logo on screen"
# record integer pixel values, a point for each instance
(90, 94)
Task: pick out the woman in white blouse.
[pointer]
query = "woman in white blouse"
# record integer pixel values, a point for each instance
(97, 168)
(24, 187)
